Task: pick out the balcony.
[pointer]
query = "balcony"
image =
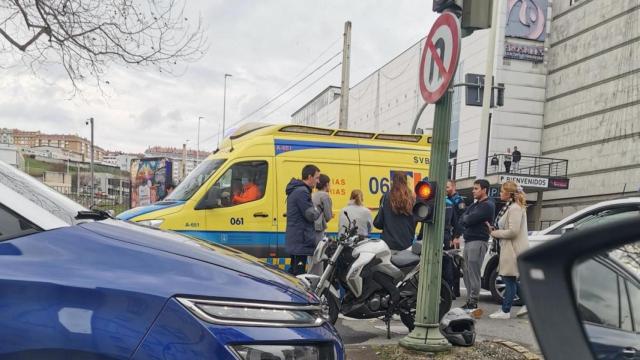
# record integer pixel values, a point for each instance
(528, 166)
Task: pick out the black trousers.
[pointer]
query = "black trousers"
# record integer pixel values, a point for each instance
(507, 166)
(298, 264)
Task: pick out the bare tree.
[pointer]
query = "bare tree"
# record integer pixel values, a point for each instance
(84, 36)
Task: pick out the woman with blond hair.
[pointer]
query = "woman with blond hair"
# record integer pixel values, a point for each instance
(510, 229)
(395, 215)
(357, 212)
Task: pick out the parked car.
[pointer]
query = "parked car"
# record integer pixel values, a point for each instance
(602, 212)
(583, 292)
(77, 284)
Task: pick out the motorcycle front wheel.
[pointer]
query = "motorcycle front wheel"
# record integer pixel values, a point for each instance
(330, 307)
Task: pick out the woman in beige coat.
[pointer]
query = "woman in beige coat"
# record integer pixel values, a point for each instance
(511, 231)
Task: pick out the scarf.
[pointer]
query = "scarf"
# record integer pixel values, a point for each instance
(501, 213)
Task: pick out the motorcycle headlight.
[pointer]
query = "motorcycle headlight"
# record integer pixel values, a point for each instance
(153, 223)
(284, 352)
(254, 314)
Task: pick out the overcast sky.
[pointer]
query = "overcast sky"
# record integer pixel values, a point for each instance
(265, 45)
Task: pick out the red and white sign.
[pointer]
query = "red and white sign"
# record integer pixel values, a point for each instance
(440, 57)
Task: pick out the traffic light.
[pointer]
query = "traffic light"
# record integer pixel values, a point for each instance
(442, 5)
(426, 196)
(473, 14)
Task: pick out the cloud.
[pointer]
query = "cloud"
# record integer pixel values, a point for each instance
(264, 45)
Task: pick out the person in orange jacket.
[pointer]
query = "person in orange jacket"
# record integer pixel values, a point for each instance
(250, 192)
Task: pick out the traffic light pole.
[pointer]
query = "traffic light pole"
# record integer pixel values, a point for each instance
(426, 335)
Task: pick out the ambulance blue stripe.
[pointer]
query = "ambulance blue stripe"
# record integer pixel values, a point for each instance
(283, 146)
(141, 210)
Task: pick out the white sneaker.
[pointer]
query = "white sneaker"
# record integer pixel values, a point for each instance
(523, 311)
(500, 315)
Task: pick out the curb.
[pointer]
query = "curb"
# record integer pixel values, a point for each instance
(519, 348)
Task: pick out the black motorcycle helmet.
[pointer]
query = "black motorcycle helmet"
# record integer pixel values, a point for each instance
(458, 327)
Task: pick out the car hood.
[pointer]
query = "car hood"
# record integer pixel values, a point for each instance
(202, 251)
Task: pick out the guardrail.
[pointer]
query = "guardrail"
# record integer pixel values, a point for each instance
(528, 165)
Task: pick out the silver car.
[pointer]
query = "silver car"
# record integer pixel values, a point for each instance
(595, 214)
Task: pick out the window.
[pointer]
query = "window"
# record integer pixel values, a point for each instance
(195, 179)
(13, 225)
(608, 215)
(597, 293)
(634, 299)
(242, 183)
(626, 322)
(601, 217)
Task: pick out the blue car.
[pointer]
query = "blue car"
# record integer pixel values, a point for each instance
(76, 284)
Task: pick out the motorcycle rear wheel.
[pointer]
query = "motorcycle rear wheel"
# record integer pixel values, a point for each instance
(446, 299)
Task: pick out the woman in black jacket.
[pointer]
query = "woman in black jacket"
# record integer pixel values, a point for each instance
(395, 216)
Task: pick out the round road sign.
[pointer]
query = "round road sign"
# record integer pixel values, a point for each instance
(440, 57)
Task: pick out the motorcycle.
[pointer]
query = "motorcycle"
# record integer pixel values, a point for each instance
(375, 283)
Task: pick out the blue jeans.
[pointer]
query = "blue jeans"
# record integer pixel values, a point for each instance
(510, 291)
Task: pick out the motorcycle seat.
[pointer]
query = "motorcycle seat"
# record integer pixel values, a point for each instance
(405, 258)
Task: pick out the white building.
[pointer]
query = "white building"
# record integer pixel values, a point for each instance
(6, 136)
(121, 160)
(565, 123)
(9, 154)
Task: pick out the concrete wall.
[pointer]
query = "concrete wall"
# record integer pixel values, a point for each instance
(592, 112)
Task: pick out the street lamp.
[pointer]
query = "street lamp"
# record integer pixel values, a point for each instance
(224, 104)
(198, 153)
(90, 122)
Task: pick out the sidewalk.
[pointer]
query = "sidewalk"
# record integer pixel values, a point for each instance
(371, 334)
(480, 351)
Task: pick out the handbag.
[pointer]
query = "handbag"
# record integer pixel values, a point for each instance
(378, 221)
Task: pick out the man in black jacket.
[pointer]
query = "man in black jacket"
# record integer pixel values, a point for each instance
(476, 237)
(517, 156)
(301, 215)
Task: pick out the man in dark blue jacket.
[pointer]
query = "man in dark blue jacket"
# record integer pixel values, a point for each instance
(301, 215)
(476, 237)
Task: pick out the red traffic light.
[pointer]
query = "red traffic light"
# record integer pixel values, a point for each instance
(424, 190)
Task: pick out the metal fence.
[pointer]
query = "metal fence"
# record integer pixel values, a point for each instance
(118, 202)
(528, 165)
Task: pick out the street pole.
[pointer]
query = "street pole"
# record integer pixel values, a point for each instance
(184, 160)
(198, 153)
(224, 105)
(343, 122)
(483, 144)
(90, 121)
(426, 335)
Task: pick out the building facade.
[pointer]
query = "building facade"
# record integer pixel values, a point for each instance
(193, 158)
(72, 143)
(571, 101)
(592, 107)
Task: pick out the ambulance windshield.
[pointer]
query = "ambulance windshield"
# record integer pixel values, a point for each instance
(194, 180)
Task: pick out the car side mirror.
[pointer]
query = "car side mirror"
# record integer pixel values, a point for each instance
(568, 228)
(562, 287)
(210, 200)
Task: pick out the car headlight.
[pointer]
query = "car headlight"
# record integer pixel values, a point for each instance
(254, 314)
(284, 352)
(153, 223)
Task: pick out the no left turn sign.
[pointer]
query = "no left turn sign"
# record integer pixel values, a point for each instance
(440, 57)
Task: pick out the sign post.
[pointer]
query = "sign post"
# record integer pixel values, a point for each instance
(437, 68)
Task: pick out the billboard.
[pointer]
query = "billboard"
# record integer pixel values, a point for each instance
(526, 19)
(150, 180)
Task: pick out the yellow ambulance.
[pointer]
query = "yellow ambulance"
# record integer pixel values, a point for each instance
(265, 158)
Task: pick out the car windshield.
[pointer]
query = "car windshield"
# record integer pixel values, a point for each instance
(195, 179)
(40, 194)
